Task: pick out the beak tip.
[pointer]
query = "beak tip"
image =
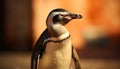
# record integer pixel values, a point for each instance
(80, 16)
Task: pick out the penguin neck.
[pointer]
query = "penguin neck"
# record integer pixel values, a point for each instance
(57, 30)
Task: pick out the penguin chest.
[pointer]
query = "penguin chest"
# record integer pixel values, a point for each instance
(57, 55)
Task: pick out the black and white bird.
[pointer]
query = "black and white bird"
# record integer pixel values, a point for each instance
(54, 49)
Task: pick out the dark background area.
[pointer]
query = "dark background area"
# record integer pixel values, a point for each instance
(16, 25)
(2, 21)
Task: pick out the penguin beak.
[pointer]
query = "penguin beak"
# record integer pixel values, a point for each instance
(76, 16)
(73, 16)
(68, 17)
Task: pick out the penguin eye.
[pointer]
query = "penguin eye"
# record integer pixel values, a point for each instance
(61, 15)
(56, 18)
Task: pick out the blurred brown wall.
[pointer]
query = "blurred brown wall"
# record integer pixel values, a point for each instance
(17, 25)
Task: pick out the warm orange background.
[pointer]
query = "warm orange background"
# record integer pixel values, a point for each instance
(100, 18)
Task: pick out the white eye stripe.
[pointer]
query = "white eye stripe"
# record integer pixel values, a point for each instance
(56, 13)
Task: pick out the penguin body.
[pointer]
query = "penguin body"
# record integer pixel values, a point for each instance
(57, 54)
(53, 49)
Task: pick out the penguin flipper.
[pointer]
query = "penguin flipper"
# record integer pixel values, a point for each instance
(35, 62)
(75, 58)
(38, 50)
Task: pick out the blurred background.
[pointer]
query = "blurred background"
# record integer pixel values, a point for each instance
(96, 36)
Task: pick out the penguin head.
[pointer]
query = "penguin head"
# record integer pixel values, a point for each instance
(61, 16)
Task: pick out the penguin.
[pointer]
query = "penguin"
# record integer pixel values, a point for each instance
(54, 49)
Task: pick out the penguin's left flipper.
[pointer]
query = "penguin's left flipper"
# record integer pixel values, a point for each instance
(38, 50)
(34, 62)
(75, 59)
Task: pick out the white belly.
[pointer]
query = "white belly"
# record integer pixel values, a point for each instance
(57, 55)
